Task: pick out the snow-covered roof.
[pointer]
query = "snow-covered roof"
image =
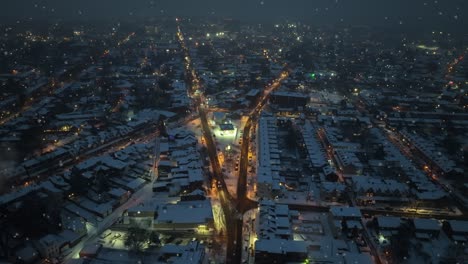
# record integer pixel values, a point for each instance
(346, 212)
(389, 222)
(281, 246)
(426, 224)
(200, 212)
(459, 226)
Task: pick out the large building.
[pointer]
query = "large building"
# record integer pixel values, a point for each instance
(186, 215)
(289, 100)
(275, 243)
(268, 158)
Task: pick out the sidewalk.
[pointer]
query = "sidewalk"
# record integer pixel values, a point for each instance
(249, 236)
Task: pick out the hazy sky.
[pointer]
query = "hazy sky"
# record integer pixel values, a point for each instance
(439, 13)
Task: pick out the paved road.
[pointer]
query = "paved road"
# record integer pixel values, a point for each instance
(412, 153)
(224, 197)
(138, 197)
(93, 233)
(243, 202)
(55, 166)
(233, 208)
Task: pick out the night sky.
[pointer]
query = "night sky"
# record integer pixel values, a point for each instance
(438, 14)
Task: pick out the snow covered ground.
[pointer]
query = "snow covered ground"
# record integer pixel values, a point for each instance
(249, 236)
(228, 146)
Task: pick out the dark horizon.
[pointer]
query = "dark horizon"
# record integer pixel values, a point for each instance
(447, 15)
(234, 131)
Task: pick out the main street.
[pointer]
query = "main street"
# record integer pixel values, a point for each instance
(225, 199)
(243, 203)
(233, 208)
